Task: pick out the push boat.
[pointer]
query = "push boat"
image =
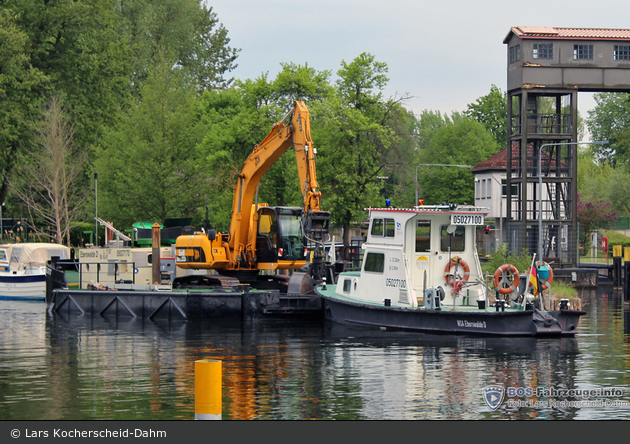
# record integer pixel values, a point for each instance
(23, 269)
(421, 271)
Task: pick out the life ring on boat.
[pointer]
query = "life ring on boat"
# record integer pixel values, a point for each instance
(546, 283)
(450, 278)
(502, 276)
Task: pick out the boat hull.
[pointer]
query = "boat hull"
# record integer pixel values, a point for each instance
(31, 287)
(459, 321)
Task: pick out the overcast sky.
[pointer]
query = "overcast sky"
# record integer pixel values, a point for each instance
(444, 53)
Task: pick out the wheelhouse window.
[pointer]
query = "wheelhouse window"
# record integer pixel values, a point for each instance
(383, 227)
(621, 52)
(515, 53)
(456, 241)
(582, 52)
(543, 51)
(375, 262)
(423, 236)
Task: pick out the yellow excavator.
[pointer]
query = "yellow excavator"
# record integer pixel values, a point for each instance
(263, 237)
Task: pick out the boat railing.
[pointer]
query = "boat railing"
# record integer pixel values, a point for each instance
(114, 272)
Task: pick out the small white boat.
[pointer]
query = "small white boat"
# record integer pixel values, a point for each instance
(23, 269)
(421, 271)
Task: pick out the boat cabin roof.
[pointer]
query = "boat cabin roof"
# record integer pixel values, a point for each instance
(34, 254)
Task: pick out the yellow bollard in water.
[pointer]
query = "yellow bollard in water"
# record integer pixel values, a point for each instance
(208, 393)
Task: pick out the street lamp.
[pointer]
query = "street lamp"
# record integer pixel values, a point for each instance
(540, 181)
(437, 165)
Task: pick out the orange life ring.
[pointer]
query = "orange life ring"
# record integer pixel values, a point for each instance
(546, 283)
(502, 276)
(450, 278)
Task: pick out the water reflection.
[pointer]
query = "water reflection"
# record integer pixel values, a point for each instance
(91, 367)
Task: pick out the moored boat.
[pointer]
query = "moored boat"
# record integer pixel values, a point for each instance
(421, 271)
(23, 269)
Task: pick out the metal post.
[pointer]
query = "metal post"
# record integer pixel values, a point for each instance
(95, 211)
(208, 389)
(500, 211)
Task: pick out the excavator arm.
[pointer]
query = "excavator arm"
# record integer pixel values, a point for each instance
(293, 131)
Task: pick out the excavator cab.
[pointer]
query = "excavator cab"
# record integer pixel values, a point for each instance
(280, 241)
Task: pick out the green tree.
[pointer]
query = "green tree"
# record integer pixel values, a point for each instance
(20, 83)
(459, 140)
(185, 30)
(491, 111)
(597, 181)
(610, 120)
(48, 179)
(239, 118)
(67, 49)
(354, 134)
(148, 165)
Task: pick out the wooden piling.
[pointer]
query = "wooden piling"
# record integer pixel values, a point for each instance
(156, 241)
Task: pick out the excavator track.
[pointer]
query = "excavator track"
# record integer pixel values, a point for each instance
(205, 282)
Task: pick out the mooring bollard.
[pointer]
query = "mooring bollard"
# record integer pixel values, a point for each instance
(208, 389)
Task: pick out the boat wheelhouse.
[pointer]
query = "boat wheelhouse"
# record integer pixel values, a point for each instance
(410, 250)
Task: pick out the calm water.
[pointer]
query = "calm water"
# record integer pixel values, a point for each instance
(95, 368)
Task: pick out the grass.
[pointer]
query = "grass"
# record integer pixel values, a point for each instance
(560, 290)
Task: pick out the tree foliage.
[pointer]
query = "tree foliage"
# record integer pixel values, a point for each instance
(239, 118)
(454, 140)
(594, 215)
(48, 178)
(148, 164)
(66, 49)
(603, 181)
(491, 111)
(356, 133)
(184, 30)
(610, 120)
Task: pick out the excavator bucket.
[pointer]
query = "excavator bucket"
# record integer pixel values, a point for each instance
(317, 224)
(300, 284)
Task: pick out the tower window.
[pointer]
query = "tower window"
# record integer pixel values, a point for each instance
(515, 53)
(621, 52)
(543, 51)
(582, 52)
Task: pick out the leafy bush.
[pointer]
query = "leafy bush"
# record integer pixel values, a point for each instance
(522, 262)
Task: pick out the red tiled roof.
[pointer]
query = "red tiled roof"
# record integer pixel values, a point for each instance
(499, 160)
(545, 32)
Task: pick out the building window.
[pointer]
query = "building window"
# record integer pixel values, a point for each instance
(582, 52)
(515, 53)
(504, 188)
(621, 52)
(543, 50)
